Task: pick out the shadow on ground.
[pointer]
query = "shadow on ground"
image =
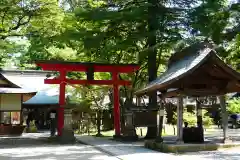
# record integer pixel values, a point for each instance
(56, 152)
(33, 146)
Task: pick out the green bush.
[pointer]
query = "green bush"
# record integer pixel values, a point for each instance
(207, 120)
(32, 128)
(191, 118)
(233, 106)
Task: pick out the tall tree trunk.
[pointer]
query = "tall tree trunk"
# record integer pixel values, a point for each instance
(152, 59)
(99, 123)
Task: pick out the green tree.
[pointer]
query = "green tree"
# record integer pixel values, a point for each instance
(218, 22)
(21, 19)
(6, 50)
(94, 97)
(140, 32)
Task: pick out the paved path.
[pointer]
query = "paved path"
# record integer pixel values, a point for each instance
(132, 151)
(126, 151)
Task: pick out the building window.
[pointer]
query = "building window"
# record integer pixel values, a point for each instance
(6, 117)
(13, 117)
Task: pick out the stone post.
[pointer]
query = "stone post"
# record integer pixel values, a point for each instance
(129, 128)
(180, 120)
(53, 123)
(67, 134)
(67, 118)
(224, 118)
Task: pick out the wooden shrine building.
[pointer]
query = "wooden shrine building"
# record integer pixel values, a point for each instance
(45, 99)
(195, 71)
(12, 97)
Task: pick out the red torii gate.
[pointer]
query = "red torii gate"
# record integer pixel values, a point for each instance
(89, 68)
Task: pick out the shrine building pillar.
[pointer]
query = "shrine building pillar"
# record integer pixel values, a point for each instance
(180, 120)
(160, 118)
(224, 118)
(138, 101)
(199, 113)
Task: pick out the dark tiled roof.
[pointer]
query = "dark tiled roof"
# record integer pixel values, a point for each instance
(185, 64)
(178, 69)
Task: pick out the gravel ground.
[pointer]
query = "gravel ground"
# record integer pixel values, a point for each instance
(225, 154)
(54, 152)
(27, 149)
(85, 152)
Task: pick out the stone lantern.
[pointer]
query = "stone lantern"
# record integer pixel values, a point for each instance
(68, 133)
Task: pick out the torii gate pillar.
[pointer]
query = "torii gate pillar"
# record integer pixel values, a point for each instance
(116, 106)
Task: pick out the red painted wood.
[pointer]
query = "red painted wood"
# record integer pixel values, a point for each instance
(85, 82)
(83, 68)
(62, 90)
(116, 105)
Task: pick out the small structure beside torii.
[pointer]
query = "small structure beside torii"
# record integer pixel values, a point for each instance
(196, 71)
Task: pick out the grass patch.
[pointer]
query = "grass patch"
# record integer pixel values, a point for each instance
(142, 131)
(139, 131)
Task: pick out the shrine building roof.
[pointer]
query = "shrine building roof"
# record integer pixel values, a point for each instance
(196, 71)
(29, 82)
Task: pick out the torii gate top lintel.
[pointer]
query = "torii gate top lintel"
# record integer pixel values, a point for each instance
(82, 67)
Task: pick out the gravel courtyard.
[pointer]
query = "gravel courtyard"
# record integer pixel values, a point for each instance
(227, 154)
(84, 152)
(28, 148)
(73, 152)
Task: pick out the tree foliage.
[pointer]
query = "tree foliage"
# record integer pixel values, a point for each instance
(191, 118)
(233, 106)
(21, 19)
(26, 17)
